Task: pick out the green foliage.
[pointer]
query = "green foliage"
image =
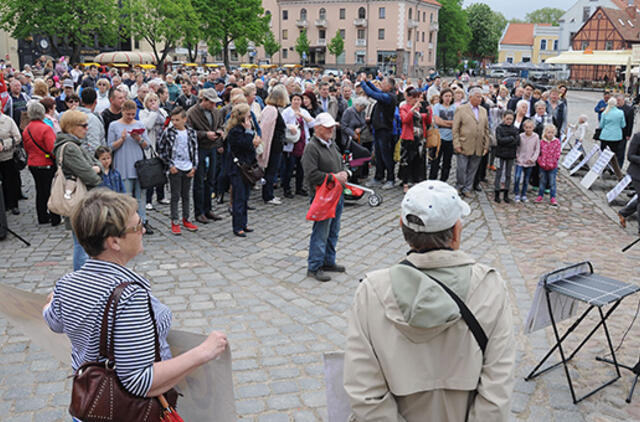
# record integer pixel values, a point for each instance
(242, 46)
(453, 34)
(302, 44)
(336, 45)
(75, 21)
(545, 15)
(271, 46)
(486, 28)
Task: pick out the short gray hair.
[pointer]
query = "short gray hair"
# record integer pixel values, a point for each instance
(540, 104)
(525, 102)
(35, 111)
(360, 101)
(475, 90)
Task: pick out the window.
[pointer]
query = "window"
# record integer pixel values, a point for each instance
(322, 34)
(303, 14)
(586, 12)
(430, 36)
(409, 35)
(285, 15)
(584, 45)
(343, 13)
(359, 58)
(284, 53)
(526, 59)
(430, 55)
(410, 13)
(417, 36)
(543, 44)
(555, 44)
(285, 34)
(509, 59)
(342, 34)
(431, 18)
(424, 16)
(423, 37)
(323, 14)
(361, 13)
(608, 45)
(234, 56)
(382, 12)
(381, 34)
(361, 34)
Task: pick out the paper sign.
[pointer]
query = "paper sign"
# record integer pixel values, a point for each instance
(586, 159)
(572, 156)
(613, 193)
(597, 168)
(338, 407)
(567, 138)
(208, 391)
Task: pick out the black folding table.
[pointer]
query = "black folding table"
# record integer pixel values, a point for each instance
(596, 291)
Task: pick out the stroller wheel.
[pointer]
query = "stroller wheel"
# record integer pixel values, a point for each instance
(375, 200)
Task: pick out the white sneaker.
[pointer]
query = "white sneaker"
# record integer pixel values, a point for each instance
(149, 207)
(274, 201)
(164, 201)
(388, 185)
(523, 199)
(517, 198)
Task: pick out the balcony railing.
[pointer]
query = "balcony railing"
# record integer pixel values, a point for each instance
(322, 23)
(322, 41)
(360, 22)
(361, 43)
(302, 23)
(412, 23)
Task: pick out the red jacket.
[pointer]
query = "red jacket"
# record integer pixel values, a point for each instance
(407, 122)
(44, 137)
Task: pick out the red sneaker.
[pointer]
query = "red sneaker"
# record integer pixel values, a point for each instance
(187, 225)
(175, 229)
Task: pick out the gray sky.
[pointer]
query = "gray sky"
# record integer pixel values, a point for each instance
(518, 8)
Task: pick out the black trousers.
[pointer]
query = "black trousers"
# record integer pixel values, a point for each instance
(43, 178)
(10, 183)
(633, 206)
(443, 159)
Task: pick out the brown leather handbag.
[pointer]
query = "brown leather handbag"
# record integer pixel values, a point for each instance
(97, 394)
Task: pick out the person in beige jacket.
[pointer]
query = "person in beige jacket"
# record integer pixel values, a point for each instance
(470, 140)
(409, 355)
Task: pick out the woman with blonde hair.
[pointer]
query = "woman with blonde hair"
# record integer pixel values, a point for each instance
(273, 134)
(242, 140)
(154, 117)
(611, 124)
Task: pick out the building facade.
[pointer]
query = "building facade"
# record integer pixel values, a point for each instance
(528, 42)
(392, 35)
(578, 14)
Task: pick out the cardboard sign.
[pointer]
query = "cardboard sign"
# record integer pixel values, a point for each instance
(613, 193)
(208, 391)
(572, 156)
(567, 138)
(597, 168)
(586, 159)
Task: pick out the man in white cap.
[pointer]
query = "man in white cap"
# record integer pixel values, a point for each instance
(432, 335)
(321, 157)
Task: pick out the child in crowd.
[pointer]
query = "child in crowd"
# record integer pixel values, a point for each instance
(550, 149)
(507, 141)
(110, 177)
(526, 156)
(580, 128)
(178, 148)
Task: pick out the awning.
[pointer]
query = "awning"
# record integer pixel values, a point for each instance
(130, 57)
(597, 57)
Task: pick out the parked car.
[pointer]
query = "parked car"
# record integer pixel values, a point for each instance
(499, 73)
(332, 72)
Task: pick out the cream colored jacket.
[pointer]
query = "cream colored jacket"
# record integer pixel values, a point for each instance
(469, 134)
(396, 372)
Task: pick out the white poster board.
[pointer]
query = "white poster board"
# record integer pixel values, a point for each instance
(567, 138)
(586, 159)
(617, 189)
(572, 156)
(598, 167)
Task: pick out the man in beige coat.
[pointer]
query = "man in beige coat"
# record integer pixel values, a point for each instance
(410, 356)
(470, 140)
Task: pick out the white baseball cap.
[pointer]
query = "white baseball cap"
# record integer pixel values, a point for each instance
(436, 204)
(325, 119)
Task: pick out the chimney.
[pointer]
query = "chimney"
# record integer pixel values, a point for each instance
(631, 11)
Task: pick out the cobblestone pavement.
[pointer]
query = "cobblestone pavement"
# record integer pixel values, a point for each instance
(279, 322)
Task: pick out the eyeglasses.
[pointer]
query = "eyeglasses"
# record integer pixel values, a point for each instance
(73, 101)
(135, 229)
(84, 125)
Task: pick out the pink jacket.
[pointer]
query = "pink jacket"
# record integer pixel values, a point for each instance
(549, 154)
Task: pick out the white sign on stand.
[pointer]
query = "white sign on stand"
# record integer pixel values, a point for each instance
(597, 168)
(567, 138)
(613, 193)
(572, 156)
(586, 159)
(635, 198)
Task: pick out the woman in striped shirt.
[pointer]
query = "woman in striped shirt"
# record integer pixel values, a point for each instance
(110, 230)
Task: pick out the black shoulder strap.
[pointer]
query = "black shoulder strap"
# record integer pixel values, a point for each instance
(46, 154)
(466, 313)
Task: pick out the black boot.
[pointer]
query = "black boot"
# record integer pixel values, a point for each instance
(506, 196)
(497, 196)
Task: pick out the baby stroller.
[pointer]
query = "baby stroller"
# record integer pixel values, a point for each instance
(355, 155)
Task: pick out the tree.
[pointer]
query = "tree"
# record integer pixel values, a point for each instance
(545, 15)
(302, 45)
(454, 33)
(242, 46)
(271, 46)
(162, 24)
(336, 45)
(228, 21)
(486, 29)
(76, 22)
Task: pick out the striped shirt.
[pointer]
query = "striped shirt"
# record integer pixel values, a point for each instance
(78, 303)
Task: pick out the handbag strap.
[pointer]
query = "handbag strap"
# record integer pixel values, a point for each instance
(47, 154)
(112, 302)
(466, 313)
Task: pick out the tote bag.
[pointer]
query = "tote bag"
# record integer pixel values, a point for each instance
(323, 206)
(65, 193)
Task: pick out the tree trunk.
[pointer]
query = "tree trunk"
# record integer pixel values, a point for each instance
(192, 53)
(54, 46)
(225, 52)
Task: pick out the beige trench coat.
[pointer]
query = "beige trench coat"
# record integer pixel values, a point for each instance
(469, 134)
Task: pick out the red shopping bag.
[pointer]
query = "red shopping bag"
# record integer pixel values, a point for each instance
(326, 200)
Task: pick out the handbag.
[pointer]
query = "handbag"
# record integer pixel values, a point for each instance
(596, 134)
(97, 394)
(150, 171)
(65, 193)
(323, 206)
(19, 156)
(252, 173)
(433, 139)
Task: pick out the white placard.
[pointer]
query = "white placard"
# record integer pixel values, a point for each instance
(597, 168)
(635, 198)
(572, 156)
(586, 159)
(567, 138)
(613, 193)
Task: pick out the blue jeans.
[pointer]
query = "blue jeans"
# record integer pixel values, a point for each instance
(204, 182)
(240, 191)
(79, 255)
(526, 173)
(288, 164)
(324, 237)
(384, 147)
(133, 187)
(548, 181)
(270, 174)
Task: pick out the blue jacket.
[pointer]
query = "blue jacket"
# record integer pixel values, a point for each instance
(599, 108)
(612, 124)
(113, 181)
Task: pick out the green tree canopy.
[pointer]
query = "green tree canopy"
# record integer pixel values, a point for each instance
(242, 46)
(454, 33)
(77, 22)
(271, 46)
(336, 45)
(484, 35)
(545, 15)
(302, 44)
